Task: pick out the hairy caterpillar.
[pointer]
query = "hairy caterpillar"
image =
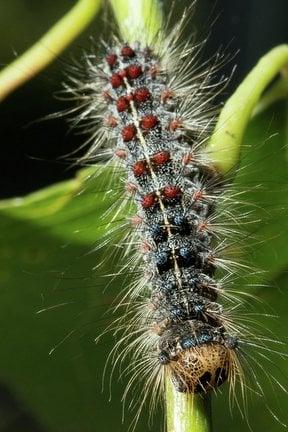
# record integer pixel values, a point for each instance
(157, 114)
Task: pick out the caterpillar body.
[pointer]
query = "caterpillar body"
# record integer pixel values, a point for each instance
(174, 201)
(150, 111)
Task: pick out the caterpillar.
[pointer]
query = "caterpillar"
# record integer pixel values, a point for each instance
(149, 111)
(174, 201)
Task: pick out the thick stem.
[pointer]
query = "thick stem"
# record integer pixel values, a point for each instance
(225, 144)
(187, 412)
(138, 20)
(278, 91)
(48, 47)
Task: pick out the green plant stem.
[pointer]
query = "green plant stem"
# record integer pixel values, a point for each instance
(138, 20)
(48, 47)
(187, 412)
(225, 143)
(278, 91)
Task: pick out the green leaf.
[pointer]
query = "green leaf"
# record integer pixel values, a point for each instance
(263, 177)
(46, 262)
(225, 144)
(45, 50)
(260, 413)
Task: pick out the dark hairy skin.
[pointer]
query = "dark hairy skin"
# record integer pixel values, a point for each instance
(175, 195)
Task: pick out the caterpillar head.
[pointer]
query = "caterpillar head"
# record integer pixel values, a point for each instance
(202, 368)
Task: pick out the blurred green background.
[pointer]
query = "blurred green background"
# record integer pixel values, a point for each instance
(47, 239)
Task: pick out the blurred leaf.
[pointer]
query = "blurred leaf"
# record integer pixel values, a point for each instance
(225, 143)
(259, 414)
(45, 50)
(263, 176)
(46, 261)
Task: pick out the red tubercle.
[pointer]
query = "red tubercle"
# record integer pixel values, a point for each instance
(145, 246)
(107, 96)
(116, 80)
(203, 226)
(130, 188)
(142, 94)
(121, 153)
(175, 124)
(161, 158)
(187, 158)
(136, 220)
(111, 121)
(134, 71)
(149, 201)
(198, 195)
(140, 168)
(122, 73)
(111, 59)
(149, 122)
(128, 132)
(151, 306)
(127, 51)
(202, 233)
(171, 192)
(153, 71)
(211, 259)
(122, 104)
(166, 95)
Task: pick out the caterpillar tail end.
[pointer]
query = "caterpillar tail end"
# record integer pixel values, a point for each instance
(200, 369)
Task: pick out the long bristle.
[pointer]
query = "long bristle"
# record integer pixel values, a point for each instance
(148, 112)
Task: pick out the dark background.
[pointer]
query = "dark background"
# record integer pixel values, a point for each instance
(30, 150)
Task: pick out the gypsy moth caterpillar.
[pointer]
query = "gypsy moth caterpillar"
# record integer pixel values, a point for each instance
(161, 156)
(157, 111)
